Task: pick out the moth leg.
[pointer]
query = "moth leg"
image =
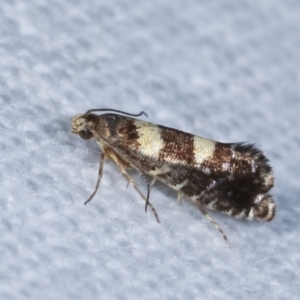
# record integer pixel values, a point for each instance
(153, 181)
(100, 173)
(148, 191)
(210, 219)
(111, 154)
(132, 182)
(179, 198)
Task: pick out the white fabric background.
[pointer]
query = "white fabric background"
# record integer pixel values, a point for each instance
(226, 70)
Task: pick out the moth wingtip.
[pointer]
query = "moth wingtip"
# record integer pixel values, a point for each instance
(261, 162)
(265, 208)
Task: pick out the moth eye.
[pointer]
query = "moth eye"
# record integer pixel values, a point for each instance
(85, 134)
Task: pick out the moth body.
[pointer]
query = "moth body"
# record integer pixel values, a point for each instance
(232, 178)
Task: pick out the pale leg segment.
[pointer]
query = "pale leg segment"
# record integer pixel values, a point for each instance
(211, 220)
(179, 198)
(153, 181)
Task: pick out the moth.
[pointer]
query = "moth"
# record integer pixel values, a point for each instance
(232, 178)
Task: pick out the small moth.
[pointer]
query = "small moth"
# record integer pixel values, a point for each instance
(232, 178)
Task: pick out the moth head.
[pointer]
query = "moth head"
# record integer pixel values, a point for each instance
(89, 125)
(82, 126)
